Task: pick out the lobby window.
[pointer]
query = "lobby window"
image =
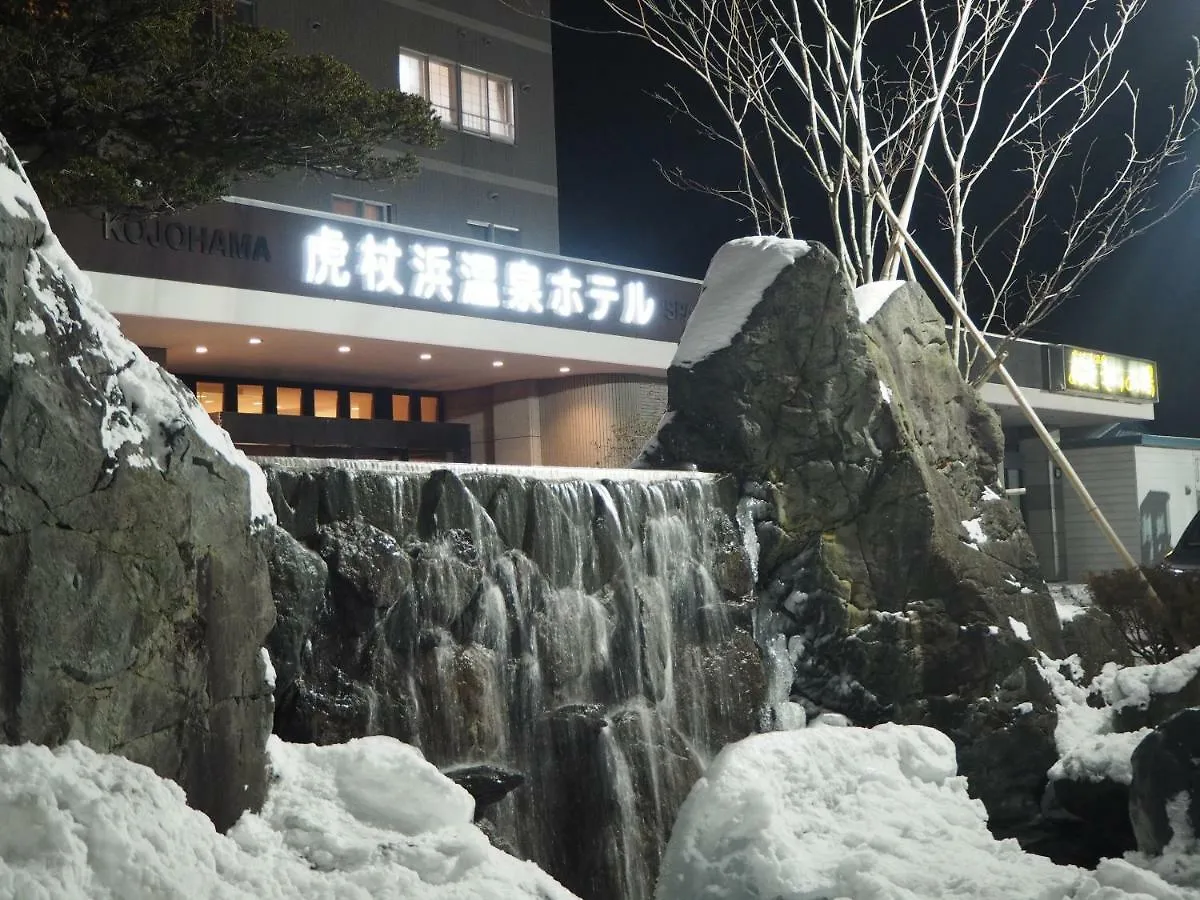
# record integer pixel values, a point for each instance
(250, 398)
(211, 395)
(287, 401)
(400, 408)
(361, 405)
(477, 102)
(430, 409)
(325, 404)
(494, 234)
(361, 209)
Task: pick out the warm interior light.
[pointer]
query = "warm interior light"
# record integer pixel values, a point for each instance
(564, 369)
(255, 341)
(426, 356)
(201, 349)
(497, 363)
(343, 349)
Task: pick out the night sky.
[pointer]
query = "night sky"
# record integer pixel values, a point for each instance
(616, 207)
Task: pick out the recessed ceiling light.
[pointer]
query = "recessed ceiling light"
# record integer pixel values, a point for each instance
(201, 349)
(426, 356)
(497, 363)
(564, 369)
(256, 341)
(343, 349)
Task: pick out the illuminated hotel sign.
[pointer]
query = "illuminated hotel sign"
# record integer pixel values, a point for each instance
(260, 247)
(1080, 371)
(426, 269)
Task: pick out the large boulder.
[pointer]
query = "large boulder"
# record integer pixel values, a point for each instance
(1164, 796)
(892, 575)
(135, 594)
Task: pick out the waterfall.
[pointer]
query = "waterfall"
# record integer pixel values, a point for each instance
(589, 630)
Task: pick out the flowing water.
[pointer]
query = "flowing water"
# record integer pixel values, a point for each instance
(589, 630)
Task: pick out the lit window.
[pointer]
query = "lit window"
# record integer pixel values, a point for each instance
(250, 398)
(325, 404)
(287, 401)
(493, 233)
(361, 209)
(429, 409)
(478, 102)
(400, 408)
(361, 406)
(211, 395)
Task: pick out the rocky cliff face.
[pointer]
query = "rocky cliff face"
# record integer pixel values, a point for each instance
(895, 583)
(134, 595)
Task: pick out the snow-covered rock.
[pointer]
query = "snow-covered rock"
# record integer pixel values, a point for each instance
(133, 576)
(856, 813)
(366, 820)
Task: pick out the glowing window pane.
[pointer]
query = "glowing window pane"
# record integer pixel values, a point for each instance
(441, 90)
(361, 405)
(500, 108)
(474, 101)
(400, 408)
(250, 398)
(429, 409)
(287, 401)
(211, 395)
(412, 74)
(325, 404)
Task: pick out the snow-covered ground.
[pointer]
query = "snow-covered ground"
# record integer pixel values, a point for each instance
(365, 820)
(863, 814)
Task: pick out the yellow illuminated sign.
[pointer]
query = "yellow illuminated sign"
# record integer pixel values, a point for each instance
(1110, 375)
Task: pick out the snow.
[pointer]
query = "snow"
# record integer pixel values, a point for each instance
(885, 392)
(975, 533)
(268, 667)
(989, 496)
(1070, 600)
(1133, 686)
(1019, 628)
(733, 286)
(869, 298)
(858, 813)
(142, 404)
(540, 473)
(365, 820)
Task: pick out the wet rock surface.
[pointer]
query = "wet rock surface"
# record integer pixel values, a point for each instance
(894, 581)
(593, 637)
(134, 596)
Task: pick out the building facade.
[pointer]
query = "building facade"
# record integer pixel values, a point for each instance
(487, 70)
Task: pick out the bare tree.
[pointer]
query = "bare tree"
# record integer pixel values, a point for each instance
(1011, 125)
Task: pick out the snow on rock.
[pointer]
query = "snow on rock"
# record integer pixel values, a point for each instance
(1089, 748)
(1019, 628)
(857, 813)
(1070, 600)
(1133, 686)
(870, 297)
(733, 286)
(143, 405)
(366, 820)
(975, 532)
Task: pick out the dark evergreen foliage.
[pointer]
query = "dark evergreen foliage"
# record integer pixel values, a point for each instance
(152, 105)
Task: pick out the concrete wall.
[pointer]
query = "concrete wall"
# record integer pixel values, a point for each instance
(468, 176)
(1109, 475)
(588, 420)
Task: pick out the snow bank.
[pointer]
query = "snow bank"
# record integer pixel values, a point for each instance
(733, 286)
(366, 820)
(142, 404)
(870, 297)
(856, 813)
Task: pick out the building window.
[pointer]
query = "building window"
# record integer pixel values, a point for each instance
(400, 408)
(361, 406)
(361, 209)
(287, 401)
(211, 395)
(477, 102)
(244, 11)
(430, 409)
(325, 404)
(250, 398)
(494, 234)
